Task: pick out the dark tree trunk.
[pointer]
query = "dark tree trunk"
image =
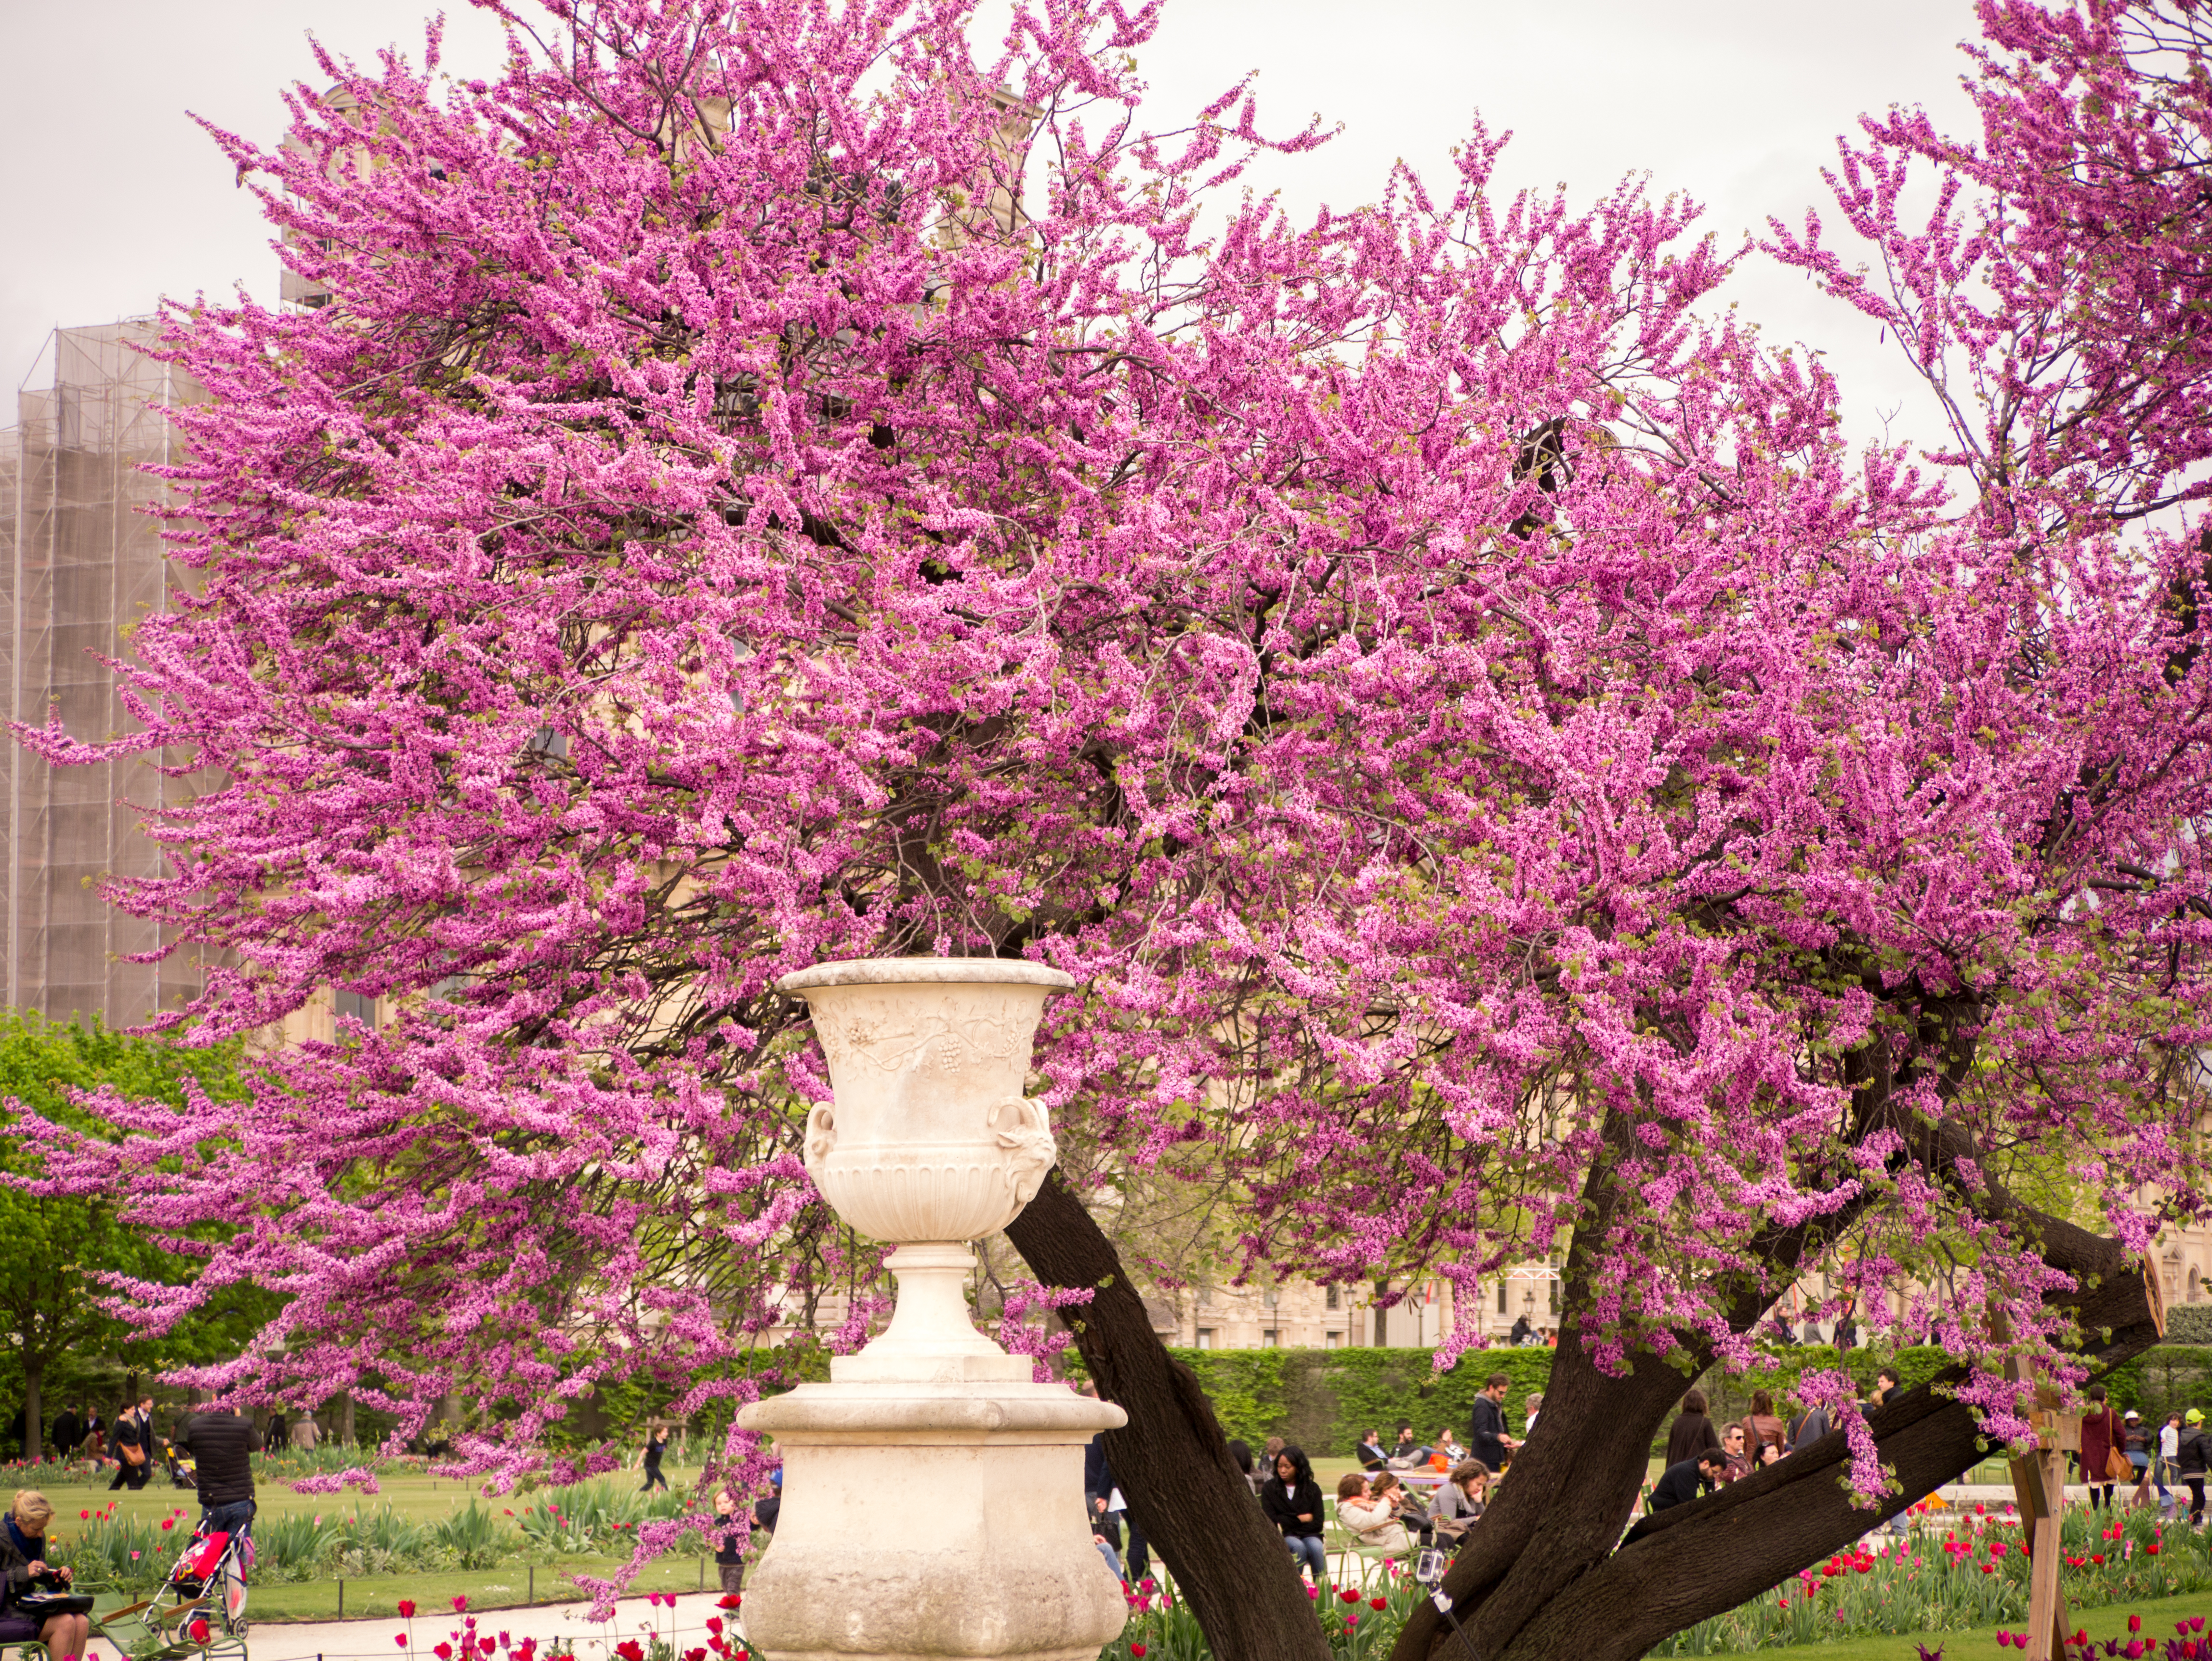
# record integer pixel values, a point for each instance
(34, 1406)
(1541, 1577)
(1171, 1459)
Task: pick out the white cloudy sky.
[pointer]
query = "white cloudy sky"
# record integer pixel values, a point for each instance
(112, 198)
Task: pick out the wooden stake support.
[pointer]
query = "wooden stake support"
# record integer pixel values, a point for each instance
(2039, 1485)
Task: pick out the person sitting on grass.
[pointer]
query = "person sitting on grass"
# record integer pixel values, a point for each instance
(1370, 1520)
(23, 1571)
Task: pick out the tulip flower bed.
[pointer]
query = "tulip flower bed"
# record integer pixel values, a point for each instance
(2189, 1643)
(1973, 1574)
(1360, 1622)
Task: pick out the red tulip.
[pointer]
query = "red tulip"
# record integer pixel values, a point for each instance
(1136, 1649)
(400, 1639)
(406, 1609)
(1378, 1603)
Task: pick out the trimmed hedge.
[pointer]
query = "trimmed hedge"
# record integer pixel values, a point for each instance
(2189, 1323)
(1323, 1399)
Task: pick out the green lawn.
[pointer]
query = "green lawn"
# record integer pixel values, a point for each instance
(419, 1499)
(1981, 1643)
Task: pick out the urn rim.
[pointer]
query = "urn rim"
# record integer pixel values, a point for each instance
(925, 971)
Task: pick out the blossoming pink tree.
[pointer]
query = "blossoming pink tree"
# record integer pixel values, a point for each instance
(766, 487)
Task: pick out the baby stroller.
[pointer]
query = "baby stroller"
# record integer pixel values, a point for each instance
(199, 1611)
(183, 1472)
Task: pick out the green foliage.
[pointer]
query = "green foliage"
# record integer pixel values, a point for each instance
(1323, 1399)
(52, 1279)
(597, 1516)
(2189, 1323)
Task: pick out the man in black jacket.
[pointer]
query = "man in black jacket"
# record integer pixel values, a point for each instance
(1680, 1484)
(1486, 1439)
(222, 1444)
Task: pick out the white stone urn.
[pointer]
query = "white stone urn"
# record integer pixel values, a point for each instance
(932, 1494)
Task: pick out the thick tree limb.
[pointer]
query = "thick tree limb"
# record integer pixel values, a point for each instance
(1171, 1460)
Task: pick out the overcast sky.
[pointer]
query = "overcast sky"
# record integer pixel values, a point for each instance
(113, 197)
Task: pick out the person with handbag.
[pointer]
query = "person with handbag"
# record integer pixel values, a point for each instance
(134, 1443)
(36, 1601)
(2104, 1449)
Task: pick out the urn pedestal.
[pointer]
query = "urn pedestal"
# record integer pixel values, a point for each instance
(933, 1494)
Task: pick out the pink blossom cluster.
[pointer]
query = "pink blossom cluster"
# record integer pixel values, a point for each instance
(337, 1481)
(772, 484)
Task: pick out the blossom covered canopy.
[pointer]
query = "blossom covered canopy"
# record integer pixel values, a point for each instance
(766, 487)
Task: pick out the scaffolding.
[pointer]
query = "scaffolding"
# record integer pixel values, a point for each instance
(82, 561)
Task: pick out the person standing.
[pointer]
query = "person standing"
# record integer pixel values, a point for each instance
(134, 1443)
(1738, 1462)
(1291, 1500)
(1692, 1432)
(279, 1433)
(2189, 1463)
(2101, 1435)
(67, 1435)
(305, 1433)
(2162, 1465)
(1762, 1430)
(656, 1444)
(1487, 1444)
(729, 1555)
(223, 1443)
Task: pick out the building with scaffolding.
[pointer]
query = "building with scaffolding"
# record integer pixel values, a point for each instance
(81, 561)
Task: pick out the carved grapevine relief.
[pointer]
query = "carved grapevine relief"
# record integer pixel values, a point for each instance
(940, 1043)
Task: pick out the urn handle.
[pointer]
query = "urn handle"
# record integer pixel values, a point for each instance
(1026, 1133)
(821, 1134)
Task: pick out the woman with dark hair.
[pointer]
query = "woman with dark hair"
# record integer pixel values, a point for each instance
(1762, 1430)
(2101, 1431)
(1692, 1432)
(1240, 1455)
(1291, 1500)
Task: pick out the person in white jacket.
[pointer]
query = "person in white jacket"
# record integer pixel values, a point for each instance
(1373, 1522)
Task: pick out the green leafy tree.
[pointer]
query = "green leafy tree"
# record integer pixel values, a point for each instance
(68, 1254)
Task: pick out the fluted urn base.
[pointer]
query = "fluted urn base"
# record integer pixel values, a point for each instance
(923, 1521)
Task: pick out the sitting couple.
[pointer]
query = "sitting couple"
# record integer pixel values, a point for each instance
(1382, 1514)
